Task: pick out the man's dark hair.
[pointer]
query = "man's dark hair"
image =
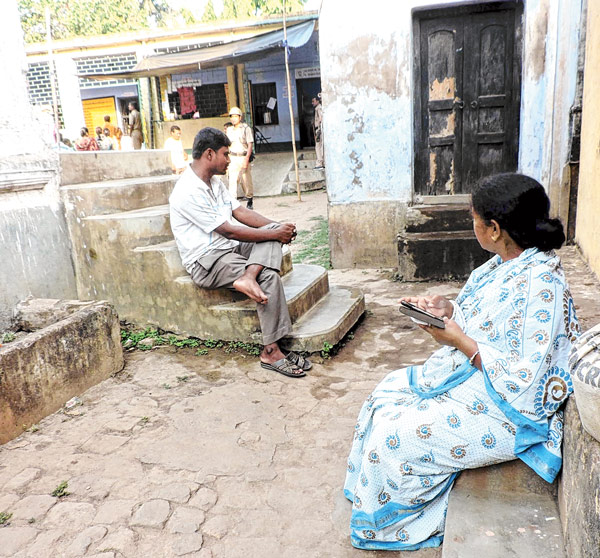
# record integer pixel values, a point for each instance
(107, 118)
(175, 127)
(209, 138)
(134, 105)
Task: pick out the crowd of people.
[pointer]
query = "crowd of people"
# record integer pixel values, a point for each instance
(109, 137)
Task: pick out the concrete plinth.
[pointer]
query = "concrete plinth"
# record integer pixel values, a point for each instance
(44, 369)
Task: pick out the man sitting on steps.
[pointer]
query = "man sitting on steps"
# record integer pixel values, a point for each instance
(245, 256)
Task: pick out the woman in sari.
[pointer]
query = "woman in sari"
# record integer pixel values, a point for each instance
(85, 143)
(491, 393)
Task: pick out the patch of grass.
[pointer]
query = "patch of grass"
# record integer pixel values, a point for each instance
(131, 339)
(166, 386)
(7, 337)
(236, 346)
(326, 350)
(181, 343)
(314, 244)
(5, 518)
(61, 490)
(144, 420)
(182, 379)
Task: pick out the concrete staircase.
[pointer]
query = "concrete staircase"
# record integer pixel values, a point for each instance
(503, 510)
(438, 242)
(125, 253)
(310, 179)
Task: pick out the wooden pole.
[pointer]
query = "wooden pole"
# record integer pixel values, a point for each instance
(51, 71)
(289, 89)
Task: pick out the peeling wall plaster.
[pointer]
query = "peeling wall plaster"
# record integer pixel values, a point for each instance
(366, 66)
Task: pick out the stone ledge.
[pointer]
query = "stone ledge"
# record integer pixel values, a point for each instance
(579, 488)
(43, 370)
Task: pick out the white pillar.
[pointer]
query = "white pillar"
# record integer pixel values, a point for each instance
(70, 96)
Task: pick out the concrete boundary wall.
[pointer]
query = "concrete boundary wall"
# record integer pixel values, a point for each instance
(44, 369)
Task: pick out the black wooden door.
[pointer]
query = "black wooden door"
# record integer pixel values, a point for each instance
(467, 106)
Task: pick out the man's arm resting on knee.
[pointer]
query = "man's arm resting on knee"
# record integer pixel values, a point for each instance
(284, 233)
(250, 218)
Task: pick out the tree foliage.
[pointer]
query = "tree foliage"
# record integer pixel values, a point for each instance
(80, 18)
(75, 18)
(245, 9)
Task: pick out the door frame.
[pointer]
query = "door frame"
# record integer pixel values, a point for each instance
(464, 8)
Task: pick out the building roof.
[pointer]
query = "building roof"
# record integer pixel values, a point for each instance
(226, 54)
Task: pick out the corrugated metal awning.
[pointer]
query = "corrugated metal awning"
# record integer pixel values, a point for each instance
(235, 52)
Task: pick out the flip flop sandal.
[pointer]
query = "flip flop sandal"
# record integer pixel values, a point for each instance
(285, 367)
(299, 361)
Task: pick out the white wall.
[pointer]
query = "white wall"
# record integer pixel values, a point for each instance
(34, 247)
(366, 51)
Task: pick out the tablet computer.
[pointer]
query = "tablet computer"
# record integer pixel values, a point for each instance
(420, 316)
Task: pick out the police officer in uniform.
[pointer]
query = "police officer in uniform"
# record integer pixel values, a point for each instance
(240, 151)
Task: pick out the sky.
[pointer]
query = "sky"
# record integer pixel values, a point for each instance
(197, 6)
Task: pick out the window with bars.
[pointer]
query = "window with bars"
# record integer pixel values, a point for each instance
(211, 100)
(261, 94)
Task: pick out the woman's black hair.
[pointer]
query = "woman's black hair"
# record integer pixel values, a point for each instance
(84, 132)
(520, 205)
(209, 138)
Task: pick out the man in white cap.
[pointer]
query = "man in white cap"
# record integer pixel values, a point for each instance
(242, 143)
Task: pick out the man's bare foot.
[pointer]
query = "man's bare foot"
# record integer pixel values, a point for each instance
(248, 286)
(271, 353)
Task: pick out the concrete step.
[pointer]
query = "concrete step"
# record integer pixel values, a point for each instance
(306, 175)
(166, 256)
(308, 154)
(438, 218)
(98, 166)
(290, 187)
(128, 229)
(186, 310)
(328, 321)
(113, 196)
(304, 286)
(502, 510)
(438, 255)
(306, 164)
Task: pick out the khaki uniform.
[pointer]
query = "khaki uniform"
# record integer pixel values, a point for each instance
(135, 127)
(242, 141)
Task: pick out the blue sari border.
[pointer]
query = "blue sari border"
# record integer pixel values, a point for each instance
(529, 438)
(365, 544)
(460, 375)
(392, 512)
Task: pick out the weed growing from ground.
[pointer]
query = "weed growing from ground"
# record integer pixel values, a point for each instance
(314, 244)
(61, 490)
(7, 337)
(182, 379)
(5, 518)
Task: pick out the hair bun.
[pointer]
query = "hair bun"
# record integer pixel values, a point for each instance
(550, 234)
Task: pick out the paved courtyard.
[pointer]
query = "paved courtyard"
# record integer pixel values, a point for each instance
(212, 456)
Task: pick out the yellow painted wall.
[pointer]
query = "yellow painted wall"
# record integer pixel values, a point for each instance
(588, 201)
(94, 111)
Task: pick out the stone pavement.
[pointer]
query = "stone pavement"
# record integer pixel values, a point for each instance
(212, 456)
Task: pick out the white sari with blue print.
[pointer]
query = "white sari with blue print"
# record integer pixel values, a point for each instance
(424, 424)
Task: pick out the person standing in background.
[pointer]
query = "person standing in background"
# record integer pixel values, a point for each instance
(242, 143)
(175, 146)
(135, 125)
(316, 102)
(115, 132)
